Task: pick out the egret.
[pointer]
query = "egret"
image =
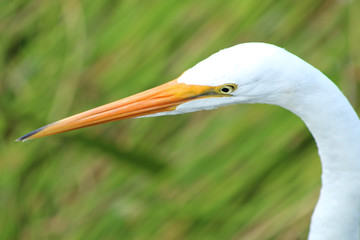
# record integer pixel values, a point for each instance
(261, 73)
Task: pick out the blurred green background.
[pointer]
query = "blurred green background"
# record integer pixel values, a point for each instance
(240, 172)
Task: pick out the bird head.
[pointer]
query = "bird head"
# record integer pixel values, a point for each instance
(240, 74)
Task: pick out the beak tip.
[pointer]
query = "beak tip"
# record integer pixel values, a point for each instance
(22, 139)
(28, 136)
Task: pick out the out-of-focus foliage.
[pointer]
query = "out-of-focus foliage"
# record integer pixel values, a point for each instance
(240, 172)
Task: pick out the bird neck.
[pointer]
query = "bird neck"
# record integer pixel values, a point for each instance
(336, 129)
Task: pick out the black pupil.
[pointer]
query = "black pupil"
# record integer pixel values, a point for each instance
(226, 89)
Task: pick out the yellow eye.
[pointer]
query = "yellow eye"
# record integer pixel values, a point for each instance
(227, 88)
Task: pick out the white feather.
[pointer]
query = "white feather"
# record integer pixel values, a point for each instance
(268, 74)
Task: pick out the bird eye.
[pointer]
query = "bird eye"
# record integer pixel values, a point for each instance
(227, 88)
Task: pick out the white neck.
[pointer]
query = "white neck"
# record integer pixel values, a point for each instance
(336, 129)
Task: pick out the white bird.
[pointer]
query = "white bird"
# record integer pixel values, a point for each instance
(261, 73)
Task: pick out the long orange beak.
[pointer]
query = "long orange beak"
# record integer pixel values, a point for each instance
(163, 98)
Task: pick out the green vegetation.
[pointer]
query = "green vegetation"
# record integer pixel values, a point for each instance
(240, 172)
